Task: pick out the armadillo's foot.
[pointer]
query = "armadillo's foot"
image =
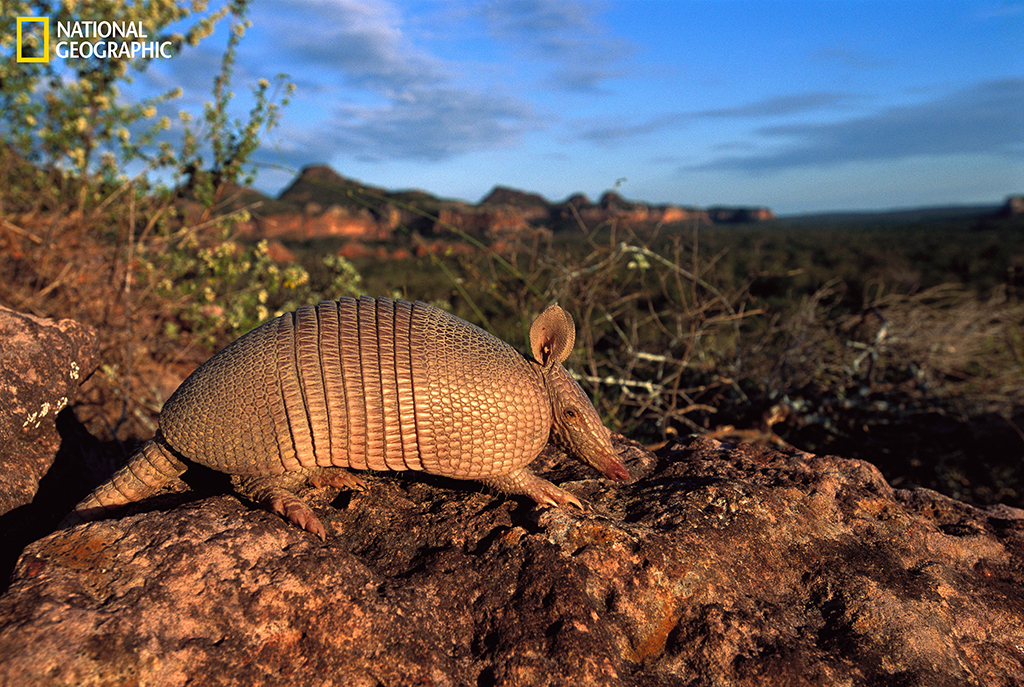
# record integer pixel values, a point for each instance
(339, 478)
(277, 494)
(528, 484)
(295, 510)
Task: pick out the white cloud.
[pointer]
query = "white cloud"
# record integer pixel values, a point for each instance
(563, 34)
(399, 101)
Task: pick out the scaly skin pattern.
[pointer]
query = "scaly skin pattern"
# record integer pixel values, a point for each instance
(370, 384)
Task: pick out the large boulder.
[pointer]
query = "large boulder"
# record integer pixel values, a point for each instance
(716, 564)
(42, 363)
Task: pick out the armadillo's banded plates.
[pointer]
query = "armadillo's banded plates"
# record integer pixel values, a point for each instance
(362, 383)
(344, 370)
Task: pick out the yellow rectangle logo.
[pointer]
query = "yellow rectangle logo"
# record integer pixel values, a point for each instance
(45, 55)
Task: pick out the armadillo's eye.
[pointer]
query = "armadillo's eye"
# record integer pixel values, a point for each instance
(570, 414)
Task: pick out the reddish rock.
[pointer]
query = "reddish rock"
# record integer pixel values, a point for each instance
(326, 204)
(720, 215)
(1013, 207)
(716, 565)
(335, 221)
(42, 363)
(613, 207)
(280, 254)
(353, 250)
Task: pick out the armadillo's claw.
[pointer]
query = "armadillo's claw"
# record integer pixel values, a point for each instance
(550, 495)
(339, 478)
(292, 508)
(565, 498)
(277, 494)
(528, 484)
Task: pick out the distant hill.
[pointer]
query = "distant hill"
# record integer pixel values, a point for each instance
(321, 203)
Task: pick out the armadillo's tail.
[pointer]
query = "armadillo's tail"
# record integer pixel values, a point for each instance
(149, 469)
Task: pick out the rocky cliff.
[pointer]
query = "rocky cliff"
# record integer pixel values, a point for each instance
(1013, 207)
(716, 564)
(321, 203)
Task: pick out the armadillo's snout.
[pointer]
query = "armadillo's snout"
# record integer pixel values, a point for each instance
(593, 446)
(591, 443)
(616, 471)
(611, 467)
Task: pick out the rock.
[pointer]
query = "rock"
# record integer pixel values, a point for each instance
(1013, 207)
(42, 362)
(717, 564)
(722, 215)
(503, 195)
(279, 253)
(321, 203)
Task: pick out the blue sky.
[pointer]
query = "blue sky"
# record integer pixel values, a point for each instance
(800, 106)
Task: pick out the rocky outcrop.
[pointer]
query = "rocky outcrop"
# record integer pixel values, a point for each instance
(321, 203)
(717, 564)
(323, 186)
(612, 207)
(42, 363)
(502, 195)
(721, 215)
(1013, 207)
(315, 222)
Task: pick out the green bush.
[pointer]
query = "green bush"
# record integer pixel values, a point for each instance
(226, 288)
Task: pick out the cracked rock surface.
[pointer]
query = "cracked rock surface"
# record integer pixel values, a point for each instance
(717, 565)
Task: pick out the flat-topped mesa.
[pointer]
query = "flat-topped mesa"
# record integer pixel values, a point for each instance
(370, 384)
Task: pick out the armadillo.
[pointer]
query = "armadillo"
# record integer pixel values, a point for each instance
(370, 384)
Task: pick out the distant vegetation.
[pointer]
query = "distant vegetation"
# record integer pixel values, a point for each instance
(893, 338)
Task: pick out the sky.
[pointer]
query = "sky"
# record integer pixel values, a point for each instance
(799, 106)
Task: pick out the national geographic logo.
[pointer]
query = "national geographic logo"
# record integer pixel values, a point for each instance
(117, 40)
(24, 26)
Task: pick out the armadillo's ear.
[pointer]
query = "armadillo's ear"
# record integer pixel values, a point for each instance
(552, 336)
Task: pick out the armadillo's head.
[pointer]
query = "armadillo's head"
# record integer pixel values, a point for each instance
(575, 425)
(577, 428)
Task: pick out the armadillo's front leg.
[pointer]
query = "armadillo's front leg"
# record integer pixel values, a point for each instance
(524, 482)
(277, 494)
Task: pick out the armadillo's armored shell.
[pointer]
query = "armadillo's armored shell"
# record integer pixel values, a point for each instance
(365, 383)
